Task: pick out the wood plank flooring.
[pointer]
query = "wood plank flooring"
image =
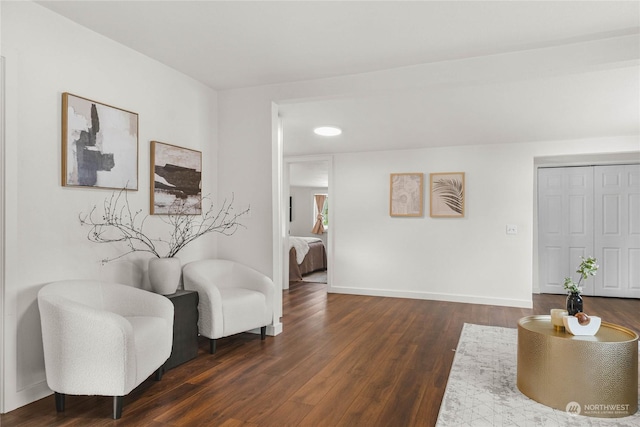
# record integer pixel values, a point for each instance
(343, 360)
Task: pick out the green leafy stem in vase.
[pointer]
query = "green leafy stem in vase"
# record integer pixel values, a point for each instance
(587, 267)
(120, 223)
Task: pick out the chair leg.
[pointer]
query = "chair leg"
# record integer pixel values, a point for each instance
(158, 374)
(117, 407)
(59, 401)
(212, 346)
(263, 332)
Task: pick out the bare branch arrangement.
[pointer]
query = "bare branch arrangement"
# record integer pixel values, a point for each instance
(119, 223)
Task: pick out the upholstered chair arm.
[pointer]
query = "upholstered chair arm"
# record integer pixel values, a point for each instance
(130, 301)
(210, 323)
(249, 278)
(252, 279)
(86, 350)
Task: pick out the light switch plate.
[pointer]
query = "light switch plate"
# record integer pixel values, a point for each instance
(512, 229)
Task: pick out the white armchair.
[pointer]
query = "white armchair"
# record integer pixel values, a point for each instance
(233, 298)
(102, 338)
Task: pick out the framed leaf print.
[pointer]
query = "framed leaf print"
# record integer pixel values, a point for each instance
(447, 195)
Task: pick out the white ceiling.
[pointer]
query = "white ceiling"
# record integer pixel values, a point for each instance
(232, 44)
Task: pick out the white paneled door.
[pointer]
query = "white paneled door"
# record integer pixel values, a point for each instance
(590, 211)
(617, 230)
(565, 224)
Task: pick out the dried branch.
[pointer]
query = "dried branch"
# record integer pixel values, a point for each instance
(187, 228)
(120, 224)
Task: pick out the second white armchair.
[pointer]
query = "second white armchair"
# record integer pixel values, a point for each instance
(234, 298)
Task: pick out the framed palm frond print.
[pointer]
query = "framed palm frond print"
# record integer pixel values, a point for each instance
(175, 180)
(447, 195)
(99, 144)
(406, 198)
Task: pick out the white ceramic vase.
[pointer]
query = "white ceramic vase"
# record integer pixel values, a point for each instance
(164, 275)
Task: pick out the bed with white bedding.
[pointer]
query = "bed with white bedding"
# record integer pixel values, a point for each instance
(306, 255)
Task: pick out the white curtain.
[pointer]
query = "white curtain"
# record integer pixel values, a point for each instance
(318, 227)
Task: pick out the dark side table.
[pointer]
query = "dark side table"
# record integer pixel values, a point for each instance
(185, 328)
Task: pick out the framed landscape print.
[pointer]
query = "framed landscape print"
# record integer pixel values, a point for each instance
(447, 194)
(99, 144)
(406, 194)
(176, 174)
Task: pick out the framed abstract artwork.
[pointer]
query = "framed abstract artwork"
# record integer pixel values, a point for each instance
(99, 145)
(447, 195)
(176, 174)
(406, 190)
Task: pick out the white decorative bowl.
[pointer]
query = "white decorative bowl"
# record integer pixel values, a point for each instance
(571, 325)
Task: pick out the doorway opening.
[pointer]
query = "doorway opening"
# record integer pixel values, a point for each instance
(309, 232)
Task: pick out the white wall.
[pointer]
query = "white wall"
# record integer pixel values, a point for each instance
(245, 168)
(470, 259)
(465, 260)
(47, 55)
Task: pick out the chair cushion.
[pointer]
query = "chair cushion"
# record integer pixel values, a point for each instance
(146, 333)
(243, 310)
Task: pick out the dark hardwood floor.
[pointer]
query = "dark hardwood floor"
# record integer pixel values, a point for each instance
(343, 360)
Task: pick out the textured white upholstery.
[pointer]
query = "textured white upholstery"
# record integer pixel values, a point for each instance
(102, 338)
(233, 297)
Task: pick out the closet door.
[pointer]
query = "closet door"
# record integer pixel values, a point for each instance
(565, 225)
(617, 230)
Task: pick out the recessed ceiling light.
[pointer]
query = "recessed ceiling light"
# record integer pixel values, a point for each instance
(327, 131)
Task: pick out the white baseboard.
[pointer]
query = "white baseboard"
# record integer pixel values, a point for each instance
(272, 330)
(469, 299)
(275, 329)
(26, 396)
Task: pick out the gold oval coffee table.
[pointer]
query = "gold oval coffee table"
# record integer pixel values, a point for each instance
(596, 376)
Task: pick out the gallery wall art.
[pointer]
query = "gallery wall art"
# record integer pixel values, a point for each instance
(447, 194)
(176, 174)
(99, 144)
(406, 198)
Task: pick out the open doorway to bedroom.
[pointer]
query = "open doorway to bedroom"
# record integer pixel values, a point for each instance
(309, 231)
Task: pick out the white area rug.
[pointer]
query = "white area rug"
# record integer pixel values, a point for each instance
(482, 391)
